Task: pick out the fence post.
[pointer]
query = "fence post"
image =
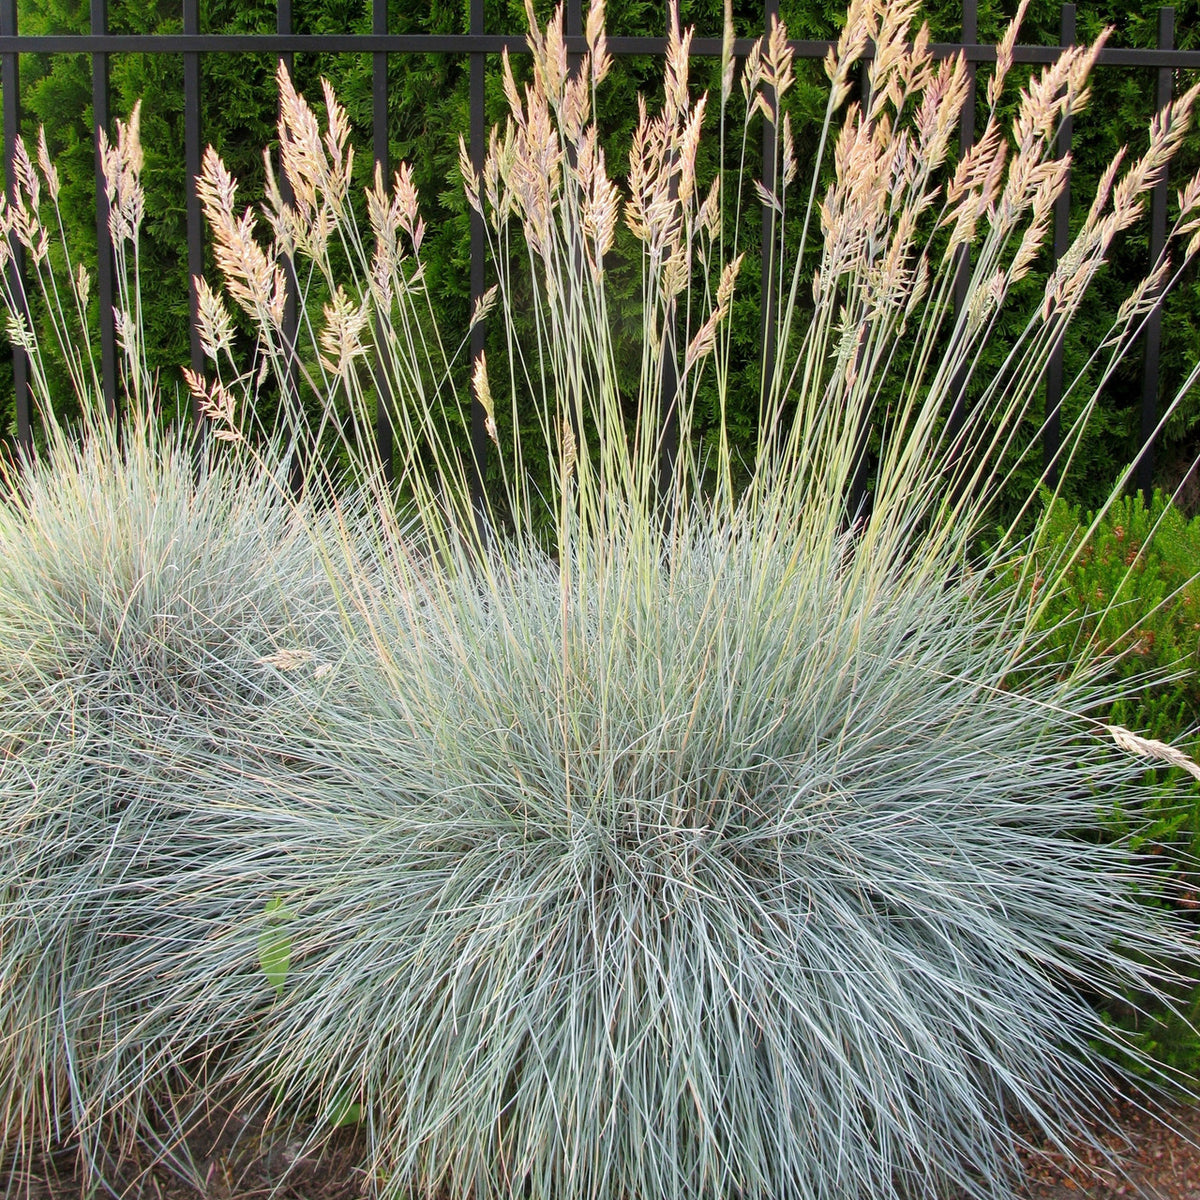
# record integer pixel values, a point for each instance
(104, 254)
(962, 277)
(479, 440)
(857, 496)
(1052, 432)
(1144, 474)
(384, 428)
(290, 384)
(195, 228)
(770, 156)
(9, 82)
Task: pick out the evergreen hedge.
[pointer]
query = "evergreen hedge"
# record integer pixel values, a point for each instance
(428, 110)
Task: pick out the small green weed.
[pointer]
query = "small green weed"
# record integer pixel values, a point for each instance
(275, 944)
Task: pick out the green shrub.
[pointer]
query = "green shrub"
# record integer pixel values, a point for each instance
(1131, 596)
(1133, 589)
(428, 109)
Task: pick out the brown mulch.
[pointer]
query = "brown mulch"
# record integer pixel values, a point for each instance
(231, 1162)
(1160, 1160)
(226, 1159)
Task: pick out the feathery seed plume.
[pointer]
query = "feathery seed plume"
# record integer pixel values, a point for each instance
(341, 335)
(791, 167)
(285, 660)
(597, 40)
(1151, 748)
(49, 171)
(216, 403)
(483, 305)
(728, 64)
(1004, 55)
(483, 393)
(215, 323)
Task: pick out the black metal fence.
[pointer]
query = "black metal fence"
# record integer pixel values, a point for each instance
(476, 45)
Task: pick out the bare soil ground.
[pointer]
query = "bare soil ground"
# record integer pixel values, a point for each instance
(1158, 1163)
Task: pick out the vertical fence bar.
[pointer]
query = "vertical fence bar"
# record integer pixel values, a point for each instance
(962, 277)
(856, 492)
(384, 428)
(104, 255)
(283, 25)
(1144, 474)
(479, 447)
(10, 84)
(770, 155)
(290, 384)
(668, 384)
(191, 156)
(1052, 433)
(573, 28)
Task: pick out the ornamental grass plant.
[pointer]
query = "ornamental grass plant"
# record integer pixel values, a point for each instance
(145, 589)
(142, 600)
(640, 830)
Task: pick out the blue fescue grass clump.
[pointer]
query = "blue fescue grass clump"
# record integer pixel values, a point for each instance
(144, 591)
(628, 832)
(747, 876)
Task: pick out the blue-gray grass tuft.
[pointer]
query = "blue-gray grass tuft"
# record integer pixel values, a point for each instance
(748, 876)
(144, 593)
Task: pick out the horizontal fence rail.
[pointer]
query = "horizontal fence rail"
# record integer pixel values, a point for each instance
(1164, 60)
(496, 43)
